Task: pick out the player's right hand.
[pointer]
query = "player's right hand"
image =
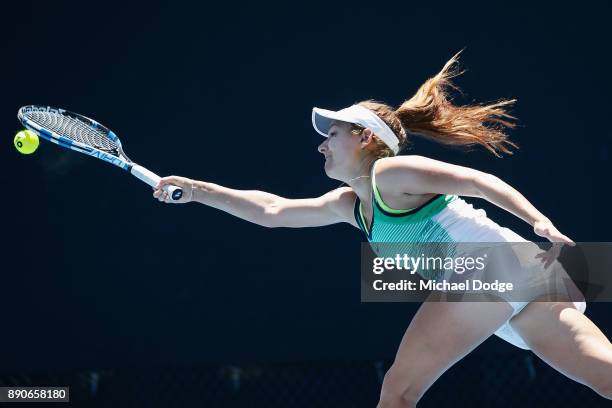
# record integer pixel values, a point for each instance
(186, 184)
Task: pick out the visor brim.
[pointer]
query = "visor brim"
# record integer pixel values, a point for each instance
(322, 120)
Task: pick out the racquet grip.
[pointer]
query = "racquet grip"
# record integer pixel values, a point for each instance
(152, 179)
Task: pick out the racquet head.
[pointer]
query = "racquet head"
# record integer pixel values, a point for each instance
(71, 130)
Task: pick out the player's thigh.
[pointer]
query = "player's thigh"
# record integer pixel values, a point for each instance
(440, 334)
(568, 341)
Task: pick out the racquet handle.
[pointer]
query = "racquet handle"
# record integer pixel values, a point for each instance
(152, 179)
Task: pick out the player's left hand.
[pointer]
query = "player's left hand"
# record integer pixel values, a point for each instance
(545, 228)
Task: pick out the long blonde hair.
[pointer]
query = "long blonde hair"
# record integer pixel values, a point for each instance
(430, 113)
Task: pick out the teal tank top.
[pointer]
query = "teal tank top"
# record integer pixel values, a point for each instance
(411, 227)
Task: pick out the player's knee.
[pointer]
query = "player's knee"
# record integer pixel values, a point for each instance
(398, 392)
(396, 400)
(603, 387)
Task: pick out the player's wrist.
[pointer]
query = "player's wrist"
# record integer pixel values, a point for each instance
(195, 191)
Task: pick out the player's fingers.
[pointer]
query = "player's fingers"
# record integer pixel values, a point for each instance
(160, 195)
(568, 241)
(170, 180)
(156, 193)
(161, 183)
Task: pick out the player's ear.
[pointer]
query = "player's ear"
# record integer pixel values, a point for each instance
(366, 136)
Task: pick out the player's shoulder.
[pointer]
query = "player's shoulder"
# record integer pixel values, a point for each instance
(405, 162)
(390, 172)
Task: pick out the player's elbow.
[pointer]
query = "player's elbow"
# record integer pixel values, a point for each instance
(268, 224)
(271, 215)
(483, 183)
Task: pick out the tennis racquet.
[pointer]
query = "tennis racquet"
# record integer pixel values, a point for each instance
(84, 135)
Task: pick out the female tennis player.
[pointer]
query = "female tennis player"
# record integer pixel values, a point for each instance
(410, 198)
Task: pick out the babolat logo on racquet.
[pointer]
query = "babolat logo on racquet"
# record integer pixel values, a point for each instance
(33, 108)
(84, 135)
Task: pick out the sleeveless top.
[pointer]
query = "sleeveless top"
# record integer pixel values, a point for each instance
(438, 223)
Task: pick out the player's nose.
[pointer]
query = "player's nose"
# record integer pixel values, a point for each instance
(323, 147)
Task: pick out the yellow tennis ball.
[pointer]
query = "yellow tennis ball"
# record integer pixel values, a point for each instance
(26, 141)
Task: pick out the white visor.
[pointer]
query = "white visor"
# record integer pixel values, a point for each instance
(322, 120)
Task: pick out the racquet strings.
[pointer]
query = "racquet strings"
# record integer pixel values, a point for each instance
(75, 129)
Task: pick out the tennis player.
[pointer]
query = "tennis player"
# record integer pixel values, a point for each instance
(410, 198)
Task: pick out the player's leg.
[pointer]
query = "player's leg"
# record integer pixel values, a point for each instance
(439, 335)
(569, 341)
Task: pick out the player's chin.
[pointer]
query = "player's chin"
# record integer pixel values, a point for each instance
(329, 168)
(330, 162)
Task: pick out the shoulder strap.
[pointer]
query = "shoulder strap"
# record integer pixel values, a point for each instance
(376, 197)
(357, 214)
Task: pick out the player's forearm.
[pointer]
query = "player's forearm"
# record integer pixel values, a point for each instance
(505, 196)
(250, 205)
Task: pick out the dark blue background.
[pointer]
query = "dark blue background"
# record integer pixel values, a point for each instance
(97, 273)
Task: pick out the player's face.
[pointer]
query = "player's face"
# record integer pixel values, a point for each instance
(341, 150)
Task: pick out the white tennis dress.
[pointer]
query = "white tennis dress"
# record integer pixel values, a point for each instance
(449, 219)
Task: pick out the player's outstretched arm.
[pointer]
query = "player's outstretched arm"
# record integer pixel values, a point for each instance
(266, 209)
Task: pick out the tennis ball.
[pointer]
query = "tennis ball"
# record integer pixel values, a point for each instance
(26, 141)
